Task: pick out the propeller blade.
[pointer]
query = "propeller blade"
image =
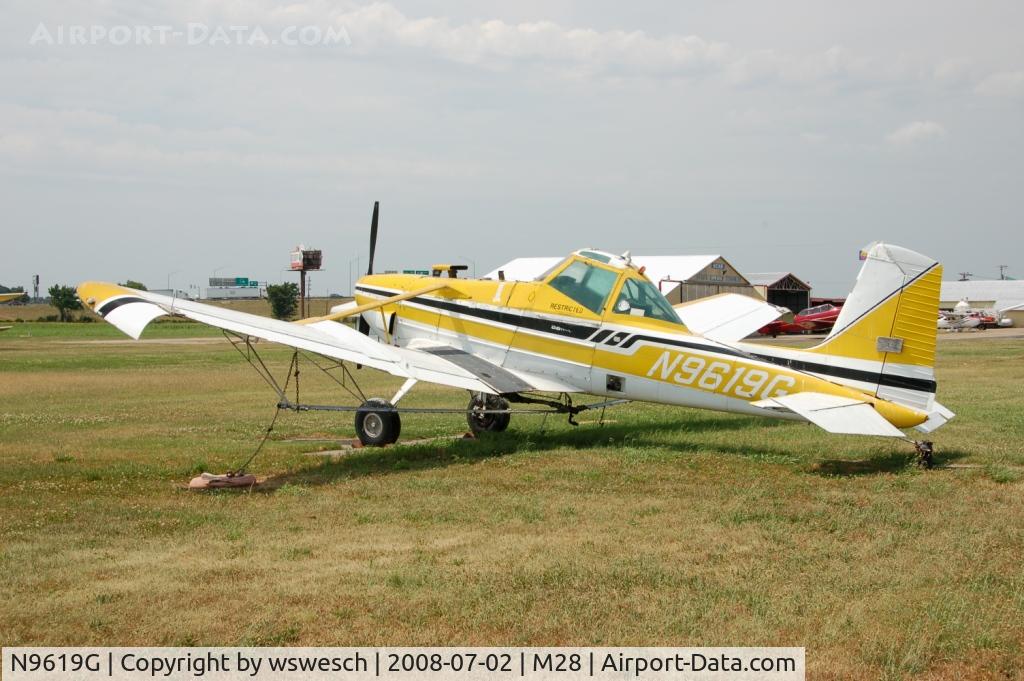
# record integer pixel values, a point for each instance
(362, 324)
(373, 235)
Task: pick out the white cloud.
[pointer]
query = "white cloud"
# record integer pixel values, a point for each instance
(918, 131)
(382, 28)
(494, 42)
(580, 115)
(383, 25)
(1005, 84)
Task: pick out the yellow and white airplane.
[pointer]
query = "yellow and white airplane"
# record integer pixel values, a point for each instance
(594, 324)
(8, 297)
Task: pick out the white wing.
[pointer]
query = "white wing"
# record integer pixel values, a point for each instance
(131, 311)
(727, 317)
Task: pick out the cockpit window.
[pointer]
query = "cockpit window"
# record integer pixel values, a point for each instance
(640, 298)
(587, 285)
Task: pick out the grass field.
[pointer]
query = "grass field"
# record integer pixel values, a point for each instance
(663, 527)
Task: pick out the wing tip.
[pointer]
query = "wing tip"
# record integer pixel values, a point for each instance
(94, 293)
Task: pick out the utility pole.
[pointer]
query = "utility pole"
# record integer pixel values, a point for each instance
(965, 276)
(1002, 272)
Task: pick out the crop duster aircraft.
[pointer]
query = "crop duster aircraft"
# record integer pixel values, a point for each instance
(594, 324)
(8, 297)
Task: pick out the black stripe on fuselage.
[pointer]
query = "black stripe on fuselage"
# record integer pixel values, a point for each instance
(617, 338)
(559, 328)
(890, 380)
(581, 332)
(112, 305)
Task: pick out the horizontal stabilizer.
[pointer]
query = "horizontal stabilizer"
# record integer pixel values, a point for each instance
(834, 414)
(937, 417)
(727, 317)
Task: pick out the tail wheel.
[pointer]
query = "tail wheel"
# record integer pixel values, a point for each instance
(480, 421)
(925, 453)
(377, 423)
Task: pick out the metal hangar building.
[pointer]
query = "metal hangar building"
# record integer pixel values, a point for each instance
(782, 289)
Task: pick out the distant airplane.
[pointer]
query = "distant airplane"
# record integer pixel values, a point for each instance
(8, 297)
(812, 320)
(964, 317)
(818, 318)
(594, 324)
(953, 321)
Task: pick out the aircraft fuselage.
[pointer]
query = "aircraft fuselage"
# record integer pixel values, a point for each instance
(532, 327)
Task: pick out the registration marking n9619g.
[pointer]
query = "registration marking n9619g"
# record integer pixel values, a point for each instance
(719, 376)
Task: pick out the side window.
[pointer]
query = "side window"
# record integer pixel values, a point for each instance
(587, 285)
(639, 298)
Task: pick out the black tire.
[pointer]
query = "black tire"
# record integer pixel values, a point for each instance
(377, 424)
(487, 423)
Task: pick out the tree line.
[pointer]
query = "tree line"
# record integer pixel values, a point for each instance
(283, 298)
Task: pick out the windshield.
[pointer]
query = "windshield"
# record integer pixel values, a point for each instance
(640, 298)
(587, 285)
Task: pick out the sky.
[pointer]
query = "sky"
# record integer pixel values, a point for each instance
(170, 141)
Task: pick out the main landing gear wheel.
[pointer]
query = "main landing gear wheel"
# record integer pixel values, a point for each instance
(481, 422)
(377, 423)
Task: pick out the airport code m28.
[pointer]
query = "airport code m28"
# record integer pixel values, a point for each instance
(422, 662)
(558, 662)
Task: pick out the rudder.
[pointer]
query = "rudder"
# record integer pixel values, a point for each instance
(887, 326)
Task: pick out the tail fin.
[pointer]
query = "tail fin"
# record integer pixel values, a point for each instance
(886, 331)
